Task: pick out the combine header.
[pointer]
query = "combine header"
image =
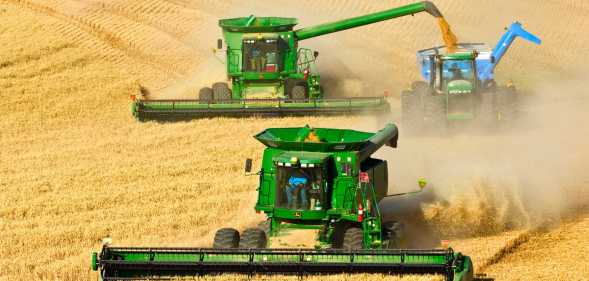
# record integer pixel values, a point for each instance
(271, 75)
(317, 179)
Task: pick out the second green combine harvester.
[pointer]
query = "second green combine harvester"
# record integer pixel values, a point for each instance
(271, 74)
(323, 179)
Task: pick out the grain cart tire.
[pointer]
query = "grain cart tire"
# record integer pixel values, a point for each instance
(507, 104)
(435, 112)
(221, 91)
(299, 92)
(205, 95)
(487, 109)
(253, 238)
(393, 232)
(226, 238)
(411, 110)
(353, 238)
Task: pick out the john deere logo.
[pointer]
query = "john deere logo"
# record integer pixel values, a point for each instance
(298, 214)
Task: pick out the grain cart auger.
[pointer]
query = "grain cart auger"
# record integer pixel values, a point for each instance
(460, 85)
(323, 180)
(271, 75)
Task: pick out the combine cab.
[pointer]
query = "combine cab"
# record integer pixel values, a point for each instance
(460, 85)
(270, 75)
(320, 179)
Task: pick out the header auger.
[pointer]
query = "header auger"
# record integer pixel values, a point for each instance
(271, 75)
(318, 179)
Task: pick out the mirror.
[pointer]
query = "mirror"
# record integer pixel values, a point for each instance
(492, 59)
(219, 44)
(248, 165)
(315, 54)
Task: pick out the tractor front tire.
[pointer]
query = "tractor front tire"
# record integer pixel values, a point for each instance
(353, 238)
(488, 116)
(299, 92)
(507, 104)
(253, 238)
(411, 110)
(221, 91)
(435, 117)
(226, 238)
(205, 95)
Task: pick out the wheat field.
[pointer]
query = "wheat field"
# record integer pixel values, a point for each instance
(76, 167)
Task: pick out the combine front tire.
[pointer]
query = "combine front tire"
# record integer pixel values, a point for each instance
(353, 238)
(226, 238)
(299, 92)
(393, 232)
(221, 91)
(205, 95)
(253, 238)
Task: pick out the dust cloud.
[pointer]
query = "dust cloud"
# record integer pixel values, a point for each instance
(526, 174)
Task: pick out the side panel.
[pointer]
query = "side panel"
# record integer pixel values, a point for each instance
(378, 173)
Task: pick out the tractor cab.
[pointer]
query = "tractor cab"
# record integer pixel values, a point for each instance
(454, 74)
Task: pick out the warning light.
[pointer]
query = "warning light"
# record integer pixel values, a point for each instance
(364, 177)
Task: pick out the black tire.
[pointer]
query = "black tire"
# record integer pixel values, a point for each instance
(353, 239)
(507, 104)
(299, 92)
(487, 114)
(226, 238)
(205, 95)
(393, 233)
(253, 238)
(419, 86)
(221, 91)
(434, 114)
(412, 111)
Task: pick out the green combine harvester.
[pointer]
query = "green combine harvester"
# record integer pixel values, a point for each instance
(270, 74)
(321, 179)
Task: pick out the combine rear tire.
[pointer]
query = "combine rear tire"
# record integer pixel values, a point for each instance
(353, 238)
(412, 110)
(435, 117)
(299, 92)
(205, 95)
(226, 238)
(221, 91)
(253, 238)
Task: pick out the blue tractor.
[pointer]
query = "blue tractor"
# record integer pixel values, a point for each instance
(460, 85)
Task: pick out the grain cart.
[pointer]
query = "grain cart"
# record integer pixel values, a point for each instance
(271, 75)
(337, 190)
(460, 85)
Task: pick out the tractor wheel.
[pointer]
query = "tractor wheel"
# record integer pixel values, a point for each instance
(394, 234)
(253, 238)
(488, 116)
(226, 238)
(411, 110)
(299, 92)
(353, 238)
(221, 91)
(435, 112)
(507, 104)
(205, 95)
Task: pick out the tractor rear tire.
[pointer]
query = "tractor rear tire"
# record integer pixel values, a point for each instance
(435, 117)
(411, 110)
(253, 238)
(205, 95)
(221, 91)
(488, 116)
(353, 238)
(507, 104)
(299, 92)
(226, 238)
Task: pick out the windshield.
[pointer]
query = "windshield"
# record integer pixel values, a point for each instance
(457, 70)
(263, 55)
(300, 188)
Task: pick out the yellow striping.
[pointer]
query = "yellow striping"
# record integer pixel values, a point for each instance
(449, 37)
